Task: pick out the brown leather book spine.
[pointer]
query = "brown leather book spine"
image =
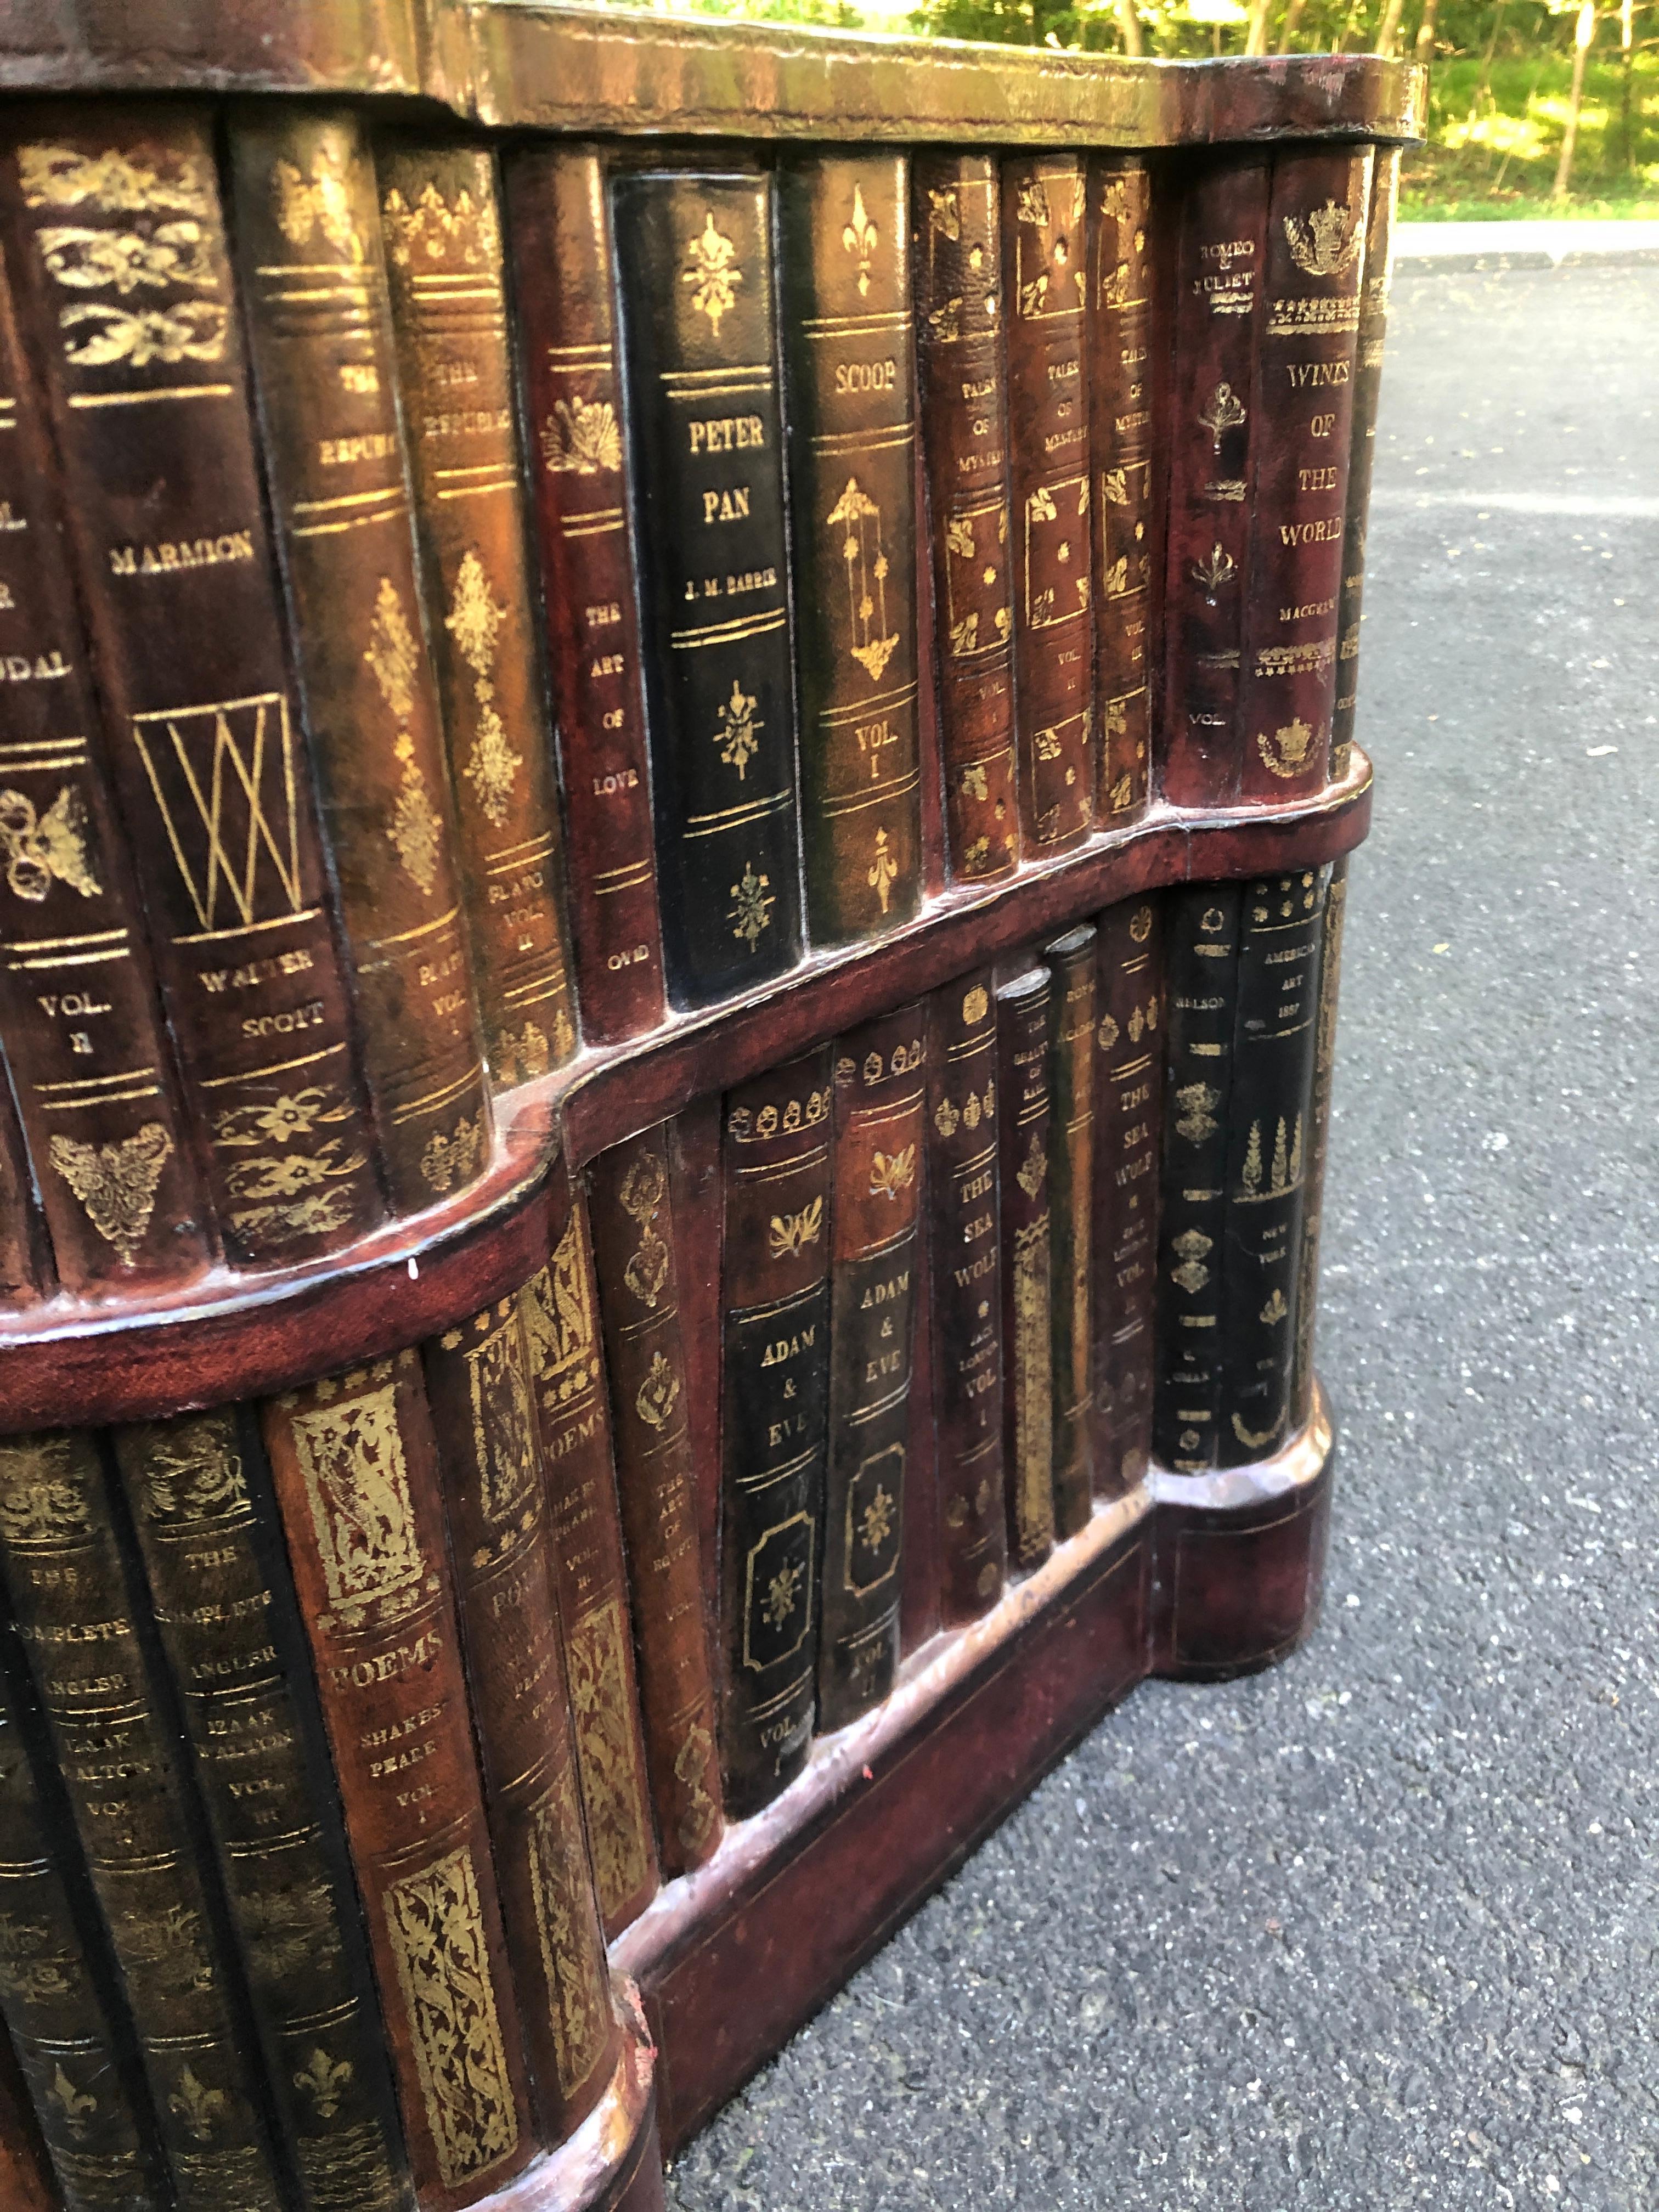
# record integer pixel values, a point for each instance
(1071, 963)
(26, 2183)
(775, 1294)
(1319, 1124)
(881, 1098)
(60, 2012)
(477, 1380)
(561, 1308)
(1045, 282)
(1129, 1028)
(633, 1255)
(441, 225)
(1125, 496)
(163, 513)
(355, 1468)
(922, 1572)
(1219, 288)
(965, 1214)
(69, 1594)
(25, 1269)
(848, 325)
(206, 1527)
(319, 320)
(1367, 386)
(963, 380)
(78, 1008)
(1023, 1116)
(560, 239)
(696, 1196)
(1315, 266)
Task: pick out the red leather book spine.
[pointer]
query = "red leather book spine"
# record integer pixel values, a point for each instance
(320, 322)
(965, 1216)
(774, 1297)
(1319, 1122)
(935, 873)
(24, 1269)
(881, 1095)
(355, 1468)
(1071, 963)
(1315, 264)
(633, 1255)
(964, 385)
(164, 520)
(567, 1373)
(1129, 1031)
(695, 1193)
(495, 1486)
(847, 319)
(1218, 273)
(1367, 386)
(441, 222)
(1024, 1115)
(920, 1607)
(82, 1022)
(24, 2182)
(1126, 493)
(559, 235)
(1044, 282)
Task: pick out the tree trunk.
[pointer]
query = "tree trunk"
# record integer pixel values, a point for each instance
(1388, 31)
(1287, 29)
(1130, 24)
(1423, 51)
(1255, 36)
(1580, 55)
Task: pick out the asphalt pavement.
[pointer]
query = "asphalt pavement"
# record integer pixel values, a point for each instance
(1379, 1928)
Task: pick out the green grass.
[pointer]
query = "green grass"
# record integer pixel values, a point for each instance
(1494, 157)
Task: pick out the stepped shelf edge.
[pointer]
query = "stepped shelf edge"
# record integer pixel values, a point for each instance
(229, 1337)
(555, 64)
(1193, 1576)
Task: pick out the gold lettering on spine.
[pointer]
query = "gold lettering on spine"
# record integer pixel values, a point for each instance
(436, 1925)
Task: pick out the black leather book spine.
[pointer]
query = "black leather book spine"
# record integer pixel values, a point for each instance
(1201, 925)
(65, 2020)
(774, 1420)
(1070, 964)
(695, 256)
(206, 1528)
(1268, 1151)
(880, 1093)
(1024, 1114)
(1318, 1128)
(1129, 1043)
(67, 1586)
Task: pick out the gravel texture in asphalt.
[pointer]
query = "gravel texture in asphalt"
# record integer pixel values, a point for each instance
(1377, 1929)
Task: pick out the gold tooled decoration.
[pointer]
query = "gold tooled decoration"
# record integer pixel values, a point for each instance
(350, 1453)
(306, 206)
(40, 850)
(111, 182)
(711, 267)
(861, 237)
(751, 915)
(791, 1233)
(582, 438)
(467, 232)
(116, 1184)
(448, 1161)
(610, 1777)
(659, 1393)
(558, 1889)
(1325, 243)
(1034, 1439)
(892, 1172)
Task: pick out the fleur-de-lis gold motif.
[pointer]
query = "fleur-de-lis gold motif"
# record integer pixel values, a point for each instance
(867, 567)
(791, 1233)
(947, 1120)
(1325, 243)
(860, 237)
(1223, 411)
(466, 233)
(1215, 573)
(876, 1522)
(891, 1173)
(737, 736)
(321, 201)
(943, 213)
(884, 871)
(447, 1161)
(750, 913)
(964, 635)
(710, 268)
(76, 2104)
(196, 2105)
(322, 2080)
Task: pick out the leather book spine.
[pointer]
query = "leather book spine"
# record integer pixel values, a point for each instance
(1219, 288)
(477, 1380)
(935, 868)
(93, 2117)
(319, 320)
(774, 1411)
(440, 227)
(69, 1598)
(965, 1215)
(1315, 264)
(78, 1008)
(163, 516)
(849, 362)
(920, 1616)
(695, 253)
(1129, 1038)
(206, 1533)
(1028, 1428)
(559, 236)
(1319, 1127)
(1124, 494)
(1362, 453)
(698, 1200)
(561, 1309)
(632, 1220)
(1201, 926)
(880, 1106)
(355, 1468)
(25, 1270)
(1044, 286)
(26, 2183)
(1070, 963)
(1268, 1149)
(963, 380)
